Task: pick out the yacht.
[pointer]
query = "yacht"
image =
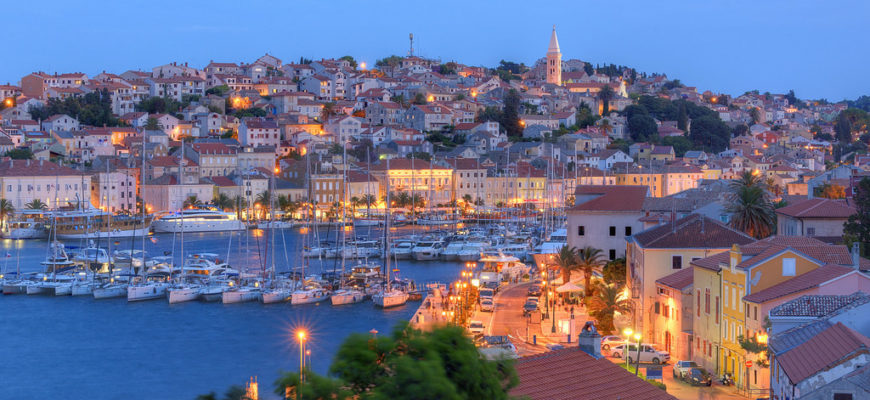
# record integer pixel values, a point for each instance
(427, 250)
(241, 294)
(390, 298)
(309, 294)
(276, 295)
(110, 290)
(184, 292)
(552, 245)
(402, 250)
(147, 291)
(82, 288)
(57, 260)
(95, 258)
(347, 296)
(29, 224)
(131, 259)
(213, 293)
(94, 223)
(365, 272)
(198, 220)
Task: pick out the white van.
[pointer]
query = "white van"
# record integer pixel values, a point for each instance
(648, 353)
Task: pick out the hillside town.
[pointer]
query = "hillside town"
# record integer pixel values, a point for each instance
(728, 229)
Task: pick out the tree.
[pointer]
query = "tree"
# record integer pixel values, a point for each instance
(218, 90)
(831, 191)
(510, 116)
(420, 155)
(6, 209)
(587, 68)
(222, 201)
(566, 260)
(588, 259)
(192, 202)
(710, 133)
(605, 303)
(843, 128)
(158, 105)
(857, 227)
(614, 272)
(36, 204)
(93, 109)
(605, 95)
(350, 60)
(754, 115)
(750, 207)
(642, 128)
(152, 125)
(682, 117)
(391, 61)
(448, 68)
(239, 204)
(681, 144)
(22, 153)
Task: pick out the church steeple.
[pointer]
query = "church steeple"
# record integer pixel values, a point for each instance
(554, 60)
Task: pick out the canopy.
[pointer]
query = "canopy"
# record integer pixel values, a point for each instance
(569, 287)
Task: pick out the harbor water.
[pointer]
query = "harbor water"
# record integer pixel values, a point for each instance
(78, 347)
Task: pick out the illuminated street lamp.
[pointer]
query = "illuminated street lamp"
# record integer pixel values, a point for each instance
(301, 335)
(627, 333)
(637, 363)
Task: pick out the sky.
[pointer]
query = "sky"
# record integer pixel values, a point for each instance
(817, 48)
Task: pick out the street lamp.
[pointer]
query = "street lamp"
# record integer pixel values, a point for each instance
(627, 332)
(637, 363)
(553, 317)
(301, 336)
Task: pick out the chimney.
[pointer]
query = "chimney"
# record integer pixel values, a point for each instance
(856, 256)
(589, 340)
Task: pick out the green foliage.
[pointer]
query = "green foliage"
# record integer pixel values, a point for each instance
(152, 124)
(750, 206)
(793, 100)
(682, 117)
(642, 128)
(336, 149)
(585, 116)
(673, 84)
(93, 109)
(420, 156)
(448, 68)
(614, 272)
(36, 204)
(605, 303)
(710, 133)
(419, 99)
(159, 105)
(250, 112)
(349, 59)
(391, 61)
(620, 144)
(21, 153)
(605, 95)
(861, 103)
(588, 69)
(510, 116)
(681, 144)
(858, 224)
(751, 344)
(218, 90)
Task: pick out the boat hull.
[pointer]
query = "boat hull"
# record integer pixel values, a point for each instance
(110, 292)
(25, 233)
(146, 292)
(117, 233)
(239, 296)
(37, 289)
(426, 255)
(307, 298)
(390, 299)
(181, 295)
(275, 296)
(14, 288)
(347, 297)
(82, 289)
(63, 289)
(174, 226)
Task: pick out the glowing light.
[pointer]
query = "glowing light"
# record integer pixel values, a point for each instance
(627, 332)
(301, 335)
(362, 65)
(430, 99)
(637, 337)
(475, 282)
(761, 338)
(8, 102)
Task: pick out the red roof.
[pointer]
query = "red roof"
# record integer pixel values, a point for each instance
(610, 198)
(223, 181)
(693, 231)
(827, 349)
(212, 148)
(11, 168)
(678, 280)
(573, 374)
(818, 208)
(404, 163)
(799, 283)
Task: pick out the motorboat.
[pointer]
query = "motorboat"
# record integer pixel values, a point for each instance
(131, 259)
(94, 258)
(402, 250)
(198, 220)
(427, 250)
(365, 272)
(30, 224)
(57, 259)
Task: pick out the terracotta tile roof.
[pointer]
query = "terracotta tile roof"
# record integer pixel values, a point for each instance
(817, 305)
(678, 280)
(818, 208)
(827, 349)
(223, 181)
(405, 163)
(359, 176)
(693, 231)
(799, 283)
(10, 168)
(610, 198)
(756, 252)
(212, 148)
(573, 374)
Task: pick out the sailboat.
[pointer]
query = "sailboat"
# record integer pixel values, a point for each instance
(388, 297)
(345, 294)
(277, 292)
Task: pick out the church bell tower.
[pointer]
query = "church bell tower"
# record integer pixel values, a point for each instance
(554, 60)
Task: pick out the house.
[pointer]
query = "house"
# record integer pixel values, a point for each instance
(344, 128)
(431, 117)
(256, 132)
(23, 181)
(662, 250)
(431, 181)
(114, 191)
(814, 217)
(603, 216)
(469, 178)
(214, 159)
(673, 316)
(556, 375)
(383, 113)
(60, 122)
(166, 194)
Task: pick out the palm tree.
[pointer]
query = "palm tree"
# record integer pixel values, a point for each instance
(6, 209)
(588, 258)
(607, 301)
(605, 95)
(222, 201)
(402, 199)
(192, 201)
(566, 260)
(264, 200)
(239, 203)
(36, 204)
(355, 202)
(369, 199)
(750, 207)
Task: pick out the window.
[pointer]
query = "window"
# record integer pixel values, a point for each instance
(755, 312)
(707, 301)
(657, 307)
(612, 254)
(676, 262)
(698, 307)
(581, 230)
(842, 396)
(788, 267)
(627, 231)
(811, 231)
(612, 231)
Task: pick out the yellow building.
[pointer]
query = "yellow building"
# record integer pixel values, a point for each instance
(662, 180)
(431, 181)
(739, 272)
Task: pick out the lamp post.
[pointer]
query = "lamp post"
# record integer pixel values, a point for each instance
(301, 336)
(553, 317)
(627, 333)
(546, 293)
(637, 363)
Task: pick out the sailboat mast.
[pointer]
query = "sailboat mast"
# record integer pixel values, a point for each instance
(387, 229)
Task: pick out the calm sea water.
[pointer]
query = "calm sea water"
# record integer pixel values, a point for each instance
(81, 348)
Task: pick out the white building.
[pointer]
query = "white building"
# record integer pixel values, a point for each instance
(114, 191)
(604, 216)
(26, 180)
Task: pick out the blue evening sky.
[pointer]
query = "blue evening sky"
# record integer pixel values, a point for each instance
(817, 48)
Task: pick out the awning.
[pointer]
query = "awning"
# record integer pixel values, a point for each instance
(569, 287)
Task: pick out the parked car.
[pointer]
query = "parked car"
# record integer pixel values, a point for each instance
(697, 377)
(486, 305)
(610, 341)
(648, 354)
(532, 299)
(476, 327)
(681, 368)
(529, 308)
(486, 293)
(534, 290)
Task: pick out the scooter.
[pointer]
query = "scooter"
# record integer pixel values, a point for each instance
(727, 380)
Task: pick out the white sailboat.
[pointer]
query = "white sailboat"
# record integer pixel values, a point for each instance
(388, 297)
